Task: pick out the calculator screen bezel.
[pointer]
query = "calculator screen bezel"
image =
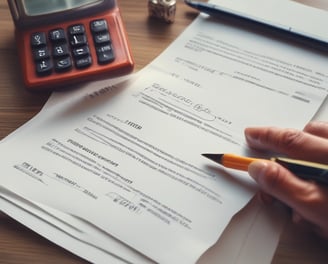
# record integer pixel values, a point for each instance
(25, 21)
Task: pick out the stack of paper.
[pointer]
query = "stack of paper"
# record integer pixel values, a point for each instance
(113, 171)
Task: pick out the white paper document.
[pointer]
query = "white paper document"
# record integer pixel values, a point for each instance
(126, 158)
(251, 236)
(76, 235)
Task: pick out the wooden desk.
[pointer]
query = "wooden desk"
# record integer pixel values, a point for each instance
(148, 38)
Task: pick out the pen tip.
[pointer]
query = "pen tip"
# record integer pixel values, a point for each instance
(214, 157)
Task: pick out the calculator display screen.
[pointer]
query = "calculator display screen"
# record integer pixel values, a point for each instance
(42, 7)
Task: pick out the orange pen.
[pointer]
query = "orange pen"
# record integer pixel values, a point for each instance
(303, 169)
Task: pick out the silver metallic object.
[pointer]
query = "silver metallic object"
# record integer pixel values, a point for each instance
(162, 9)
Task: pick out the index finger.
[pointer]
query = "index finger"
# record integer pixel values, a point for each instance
(291, 142)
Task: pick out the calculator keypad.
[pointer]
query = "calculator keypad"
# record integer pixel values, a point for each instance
(60, 51)
(102, 41)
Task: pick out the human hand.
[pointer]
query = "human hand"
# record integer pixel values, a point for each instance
(308, 200)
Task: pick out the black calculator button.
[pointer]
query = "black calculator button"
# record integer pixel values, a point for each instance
(60, 50)
(38, 39)
(44, 67)
(104, 48)
(105, 57)
(76, 29)
(101, 38)
(98, 25)
(41, 53)
(78, 40)
(81, 51)
(105, 54)
(57, 35)
(63, 64)
(83, 62)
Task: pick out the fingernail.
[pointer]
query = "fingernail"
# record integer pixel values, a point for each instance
(250, 138)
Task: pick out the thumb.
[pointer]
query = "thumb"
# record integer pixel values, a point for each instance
(306, 198)
(277, 181)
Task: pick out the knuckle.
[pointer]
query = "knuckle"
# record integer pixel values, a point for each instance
(281, 138)
(311, 195)
(290, 138)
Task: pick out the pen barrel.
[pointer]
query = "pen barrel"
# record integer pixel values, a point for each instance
(305, 170)
(236, 162)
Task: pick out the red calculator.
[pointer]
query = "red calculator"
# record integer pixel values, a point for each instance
(61, 42)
